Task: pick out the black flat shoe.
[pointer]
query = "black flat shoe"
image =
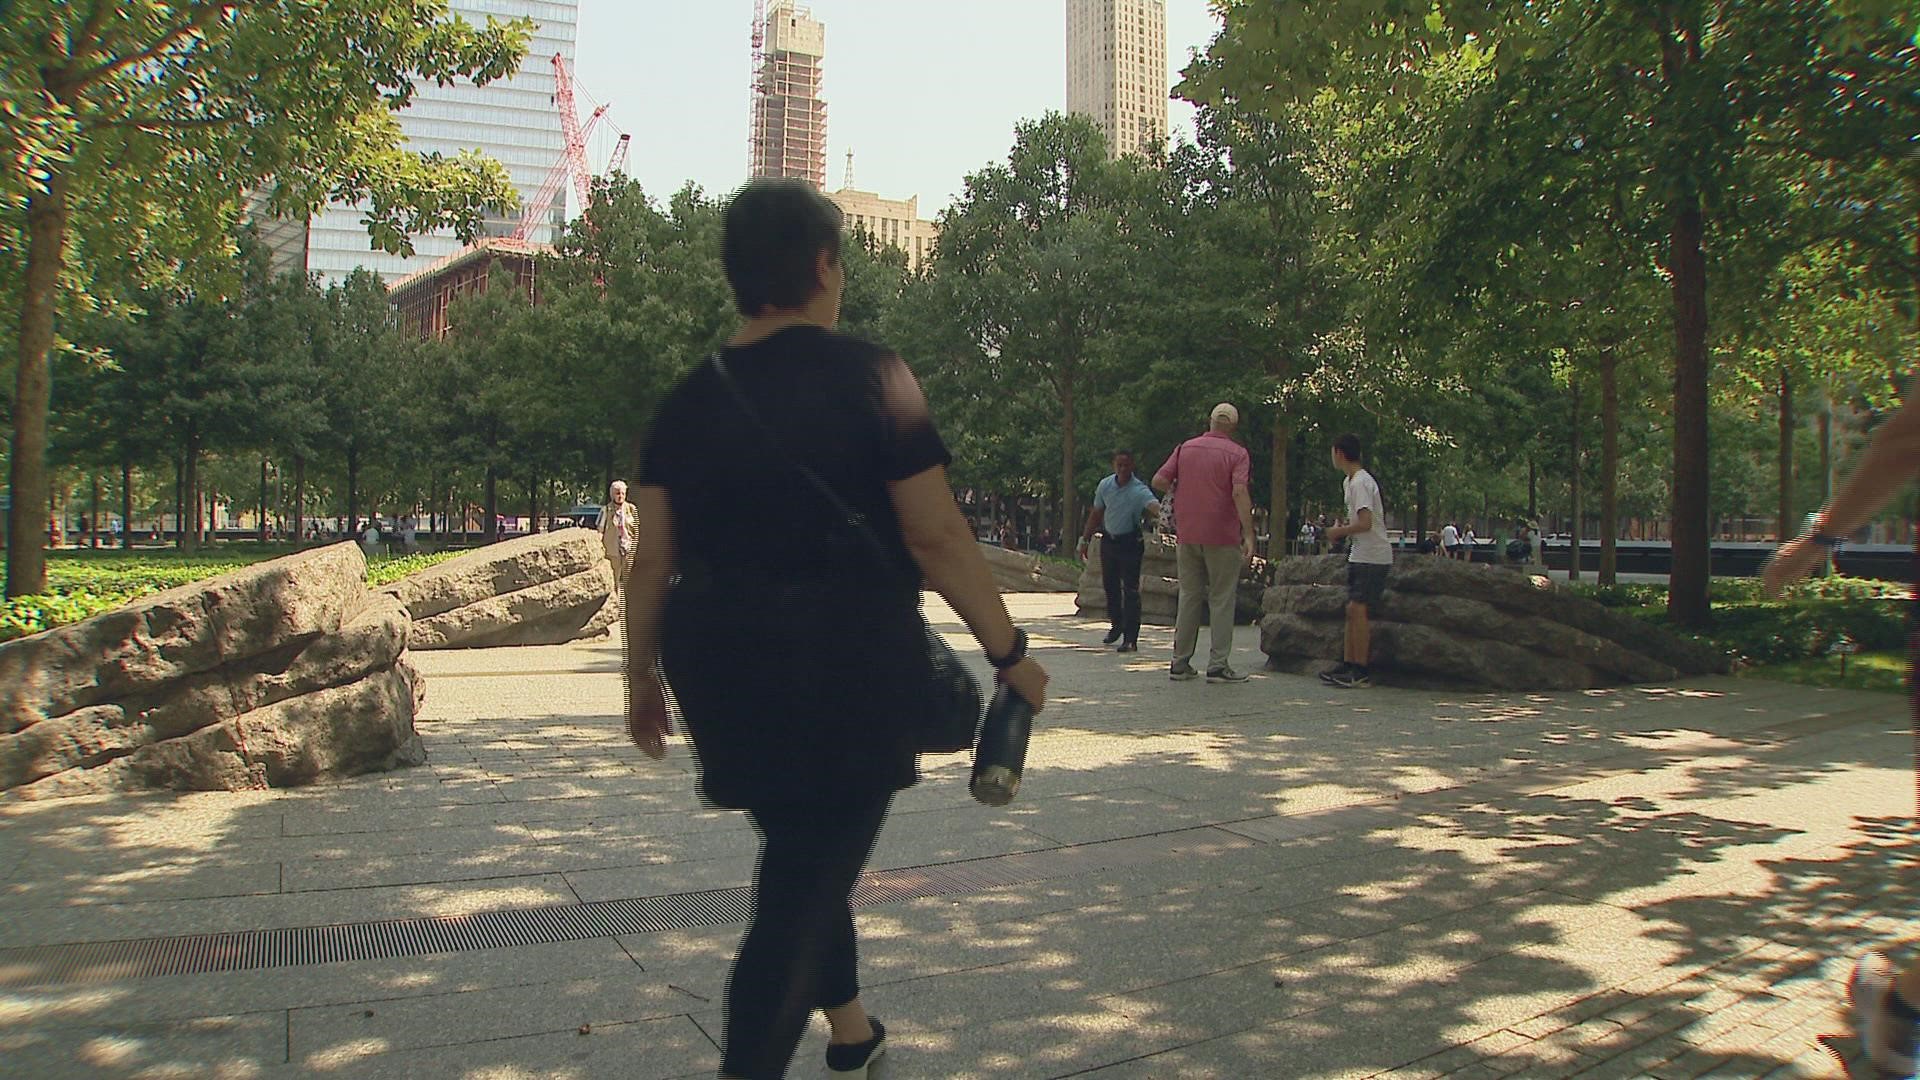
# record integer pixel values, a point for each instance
(852, 1059)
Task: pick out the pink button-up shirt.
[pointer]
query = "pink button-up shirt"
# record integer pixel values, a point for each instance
(1207, 468)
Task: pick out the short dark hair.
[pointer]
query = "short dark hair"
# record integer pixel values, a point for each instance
(771, 237)
(1349, 447)
(1122, 452)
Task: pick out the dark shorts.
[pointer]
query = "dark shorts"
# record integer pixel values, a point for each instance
(1367, 583)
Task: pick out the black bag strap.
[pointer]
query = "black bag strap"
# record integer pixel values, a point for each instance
(854, 518)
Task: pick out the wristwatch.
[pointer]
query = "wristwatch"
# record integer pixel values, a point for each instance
(1826, 540)
(1019, 652)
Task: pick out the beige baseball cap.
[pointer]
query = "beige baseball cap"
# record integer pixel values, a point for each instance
(1225, 411)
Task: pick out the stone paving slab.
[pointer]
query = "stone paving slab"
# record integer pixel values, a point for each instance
(1271, 879)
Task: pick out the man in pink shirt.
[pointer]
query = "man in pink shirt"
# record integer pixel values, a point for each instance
(1213, 521)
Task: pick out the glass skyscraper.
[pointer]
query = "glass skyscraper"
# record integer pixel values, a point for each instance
(515, 121)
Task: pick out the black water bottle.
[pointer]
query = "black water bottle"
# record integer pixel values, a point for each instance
(1001, 755)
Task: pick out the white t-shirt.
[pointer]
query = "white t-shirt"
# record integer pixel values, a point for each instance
(1449, 536)
(1363, 493)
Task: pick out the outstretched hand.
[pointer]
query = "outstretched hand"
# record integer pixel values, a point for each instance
(1793, 561)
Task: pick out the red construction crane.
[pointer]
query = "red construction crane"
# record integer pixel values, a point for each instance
(756, 87)
(573, 154)
(618, 163)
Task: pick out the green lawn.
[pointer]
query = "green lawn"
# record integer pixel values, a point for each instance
(83, 583)
(1882, 671)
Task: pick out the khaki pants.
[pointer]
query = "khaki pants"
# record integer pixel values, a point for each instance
(1209, 574)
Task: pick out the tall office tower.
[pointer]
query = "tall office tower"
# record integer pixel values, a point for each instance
(789, 118)
(1117, 70)
(513, 121)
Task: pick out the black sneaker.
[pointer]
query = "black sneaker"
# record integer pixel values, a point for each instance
(1353, 678)
(852, 1059)
(1328, 676)
(1128, 646)
(1182, 672)
(1112, 636)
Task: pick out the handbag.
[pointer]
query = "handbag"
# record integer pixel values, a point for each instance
(952, 720)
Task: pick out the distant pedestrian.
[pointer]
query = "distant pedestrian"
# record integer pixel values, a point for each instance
(1208, 476)
(1309, 540)
(1450, 541)
(409, 534)
(619, 532)
(1469, 543)
(1369, 558)
(1123, 506)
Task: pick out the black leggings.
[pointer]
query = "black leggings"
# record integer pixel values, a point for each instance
(799, 952)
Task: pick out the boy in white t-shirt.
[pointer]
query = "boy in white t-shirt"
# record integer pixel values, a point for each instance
(1369, 557)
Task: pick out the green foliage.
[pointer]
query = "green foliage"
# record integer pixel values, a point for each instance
(1883, 672)
(387, 569)
(88, 583)
(1806, 624)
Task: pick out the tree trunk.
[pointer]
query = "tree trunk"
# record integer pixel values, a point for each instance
(1687, 598)
(353, 489)
(1279, 536)
(1067, 494)
(1533, 490)
(1785, 530)
(126, 502)
(1420, 507)
(1609, 467)
(490, 497)
(33, 388)
(533, 504)
(263, 500)
(190, 529)
(179, 502)
(299, 498)
(93, 520)
(551, 485)
(1573, 562)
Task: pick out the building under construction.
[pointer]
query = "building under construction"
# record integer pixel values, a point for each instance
(789, 129)
(424, 297)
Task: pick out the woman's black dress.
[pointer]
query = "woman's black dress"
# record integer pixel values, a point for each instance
(793, 648)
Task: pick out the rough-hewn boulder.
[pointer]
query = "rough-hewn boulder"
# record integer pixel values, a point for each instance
(1445, 623)
(1016, 571)
(543, 589)
(1159, 588)
(283, 673)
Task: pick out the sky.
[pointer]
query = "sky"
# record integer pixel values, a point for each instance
(924, 92)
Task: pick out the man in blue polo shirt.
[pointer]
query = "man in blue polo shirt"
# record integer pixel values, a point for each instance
(1122, 506)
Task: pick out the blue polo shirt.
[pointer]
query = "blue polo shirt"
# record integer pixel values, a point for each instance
(1123, 506)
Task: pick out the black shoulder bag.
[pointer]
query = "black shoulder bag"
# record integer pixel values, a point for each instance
(953, 718)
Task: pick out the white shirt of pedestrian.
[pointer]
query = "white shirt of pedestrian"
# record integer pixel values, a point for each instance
(1372, 546)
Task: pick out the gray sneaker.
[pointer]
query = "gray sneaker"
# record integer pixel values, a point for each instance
(1182, 672)
(1224, 674)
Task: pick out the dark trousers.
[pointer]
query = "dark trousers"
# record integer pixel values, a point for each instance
(799, 952)
(1120, 560)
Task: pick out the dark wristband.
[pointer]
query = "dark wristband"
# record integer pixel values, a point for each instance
(1827, 540)
(1018, 654)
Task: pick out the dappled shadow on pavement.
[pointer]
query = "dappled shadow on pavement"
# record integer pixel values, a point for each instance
(1343, 885)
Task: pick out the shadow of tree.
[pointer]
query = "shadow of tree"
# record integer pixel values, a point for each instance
(1266, 880)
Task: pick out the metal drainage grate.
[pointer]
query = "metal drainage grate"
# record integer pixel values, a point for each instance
(248, 950)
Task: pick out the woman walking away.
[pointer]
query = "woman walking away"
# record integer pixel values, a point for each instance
(815, 739)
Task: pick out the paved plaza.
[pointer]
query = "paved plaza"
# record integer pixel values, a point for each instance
(1273, 879)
